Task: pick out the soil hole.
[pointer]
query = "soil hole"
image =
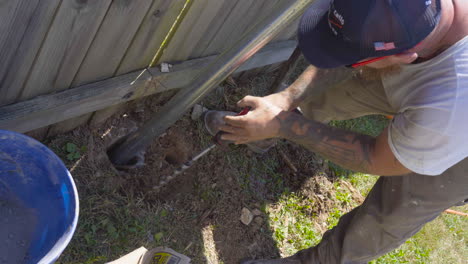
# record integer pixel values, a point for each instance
(173, 159)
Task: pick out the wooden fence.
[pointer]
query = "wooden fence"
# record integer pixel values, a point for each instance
(68, 60)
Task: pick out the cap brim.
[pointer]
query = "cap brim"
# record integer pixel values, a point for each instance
(320, 46)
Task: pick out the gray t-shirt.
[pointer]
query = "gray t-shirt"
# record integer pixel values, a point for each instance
(430, 132)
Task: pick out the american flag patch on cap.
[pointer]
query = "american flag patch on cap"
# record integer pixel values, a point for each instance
(384, 45)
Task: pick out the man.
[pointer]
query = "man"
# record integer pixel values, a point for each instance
(420, 50)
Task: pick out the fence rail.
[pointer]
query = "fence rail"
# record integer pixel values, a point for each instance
(49, 47)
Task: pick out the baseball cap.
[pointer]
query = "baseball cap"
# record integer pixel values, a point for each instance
(334, 33)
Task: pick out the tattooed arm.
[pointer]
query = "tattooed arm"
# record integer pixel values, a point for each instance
(271, 117)
(350, 150)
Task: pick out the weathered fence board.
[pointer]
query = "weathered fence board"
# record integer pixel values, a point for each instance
(148, 39)
(241, 18)
(107, 50)
(14, 17)
(257, 11)
(154, 28)
(65, 46)
(191, 30)
(217, 26)
(19, 53)
(49, 109)
(9, 12)
(112, 40)
(235, 20)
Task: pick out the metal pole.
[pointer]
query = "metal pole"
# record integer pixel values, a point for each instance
(215, 73)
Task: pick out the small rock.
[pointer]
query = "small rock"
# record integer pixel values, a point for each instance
(246, 216)
(165, 67)
(197, 111)
(256, 212)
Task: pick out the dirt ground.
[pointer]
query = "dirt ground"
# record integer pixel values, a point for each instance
(198, 213)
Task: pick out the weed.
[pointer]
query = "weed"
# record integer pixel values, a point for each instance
(334, 218)
(292, 223)
(73, 152)
(342, 195)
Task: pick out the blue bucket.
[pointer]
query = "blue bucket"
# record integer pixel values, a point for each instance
(38, 202)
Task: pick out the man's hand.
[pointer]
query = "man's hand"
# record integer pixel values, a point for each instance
(260, 123)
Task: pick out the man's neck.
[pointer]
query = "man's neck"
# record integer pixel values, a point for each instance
(452, 27)
(459, 27)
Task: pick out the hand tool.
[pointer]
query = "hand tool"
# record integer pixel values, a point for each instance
(217, 141)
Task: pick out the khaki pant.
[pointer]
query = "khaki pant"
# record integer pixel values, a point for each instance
(397, 207)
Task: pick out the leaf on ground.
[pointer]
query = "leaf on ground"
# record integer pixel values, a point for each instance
(70, 147)
(158, 236)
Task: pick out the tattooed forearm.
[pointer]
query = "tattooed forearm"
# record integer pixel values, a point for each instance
(350, 150)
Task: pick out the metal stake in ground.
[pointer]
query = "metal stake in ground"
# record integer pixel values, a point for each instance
(217, 141)
(228, 62)
(165, 179)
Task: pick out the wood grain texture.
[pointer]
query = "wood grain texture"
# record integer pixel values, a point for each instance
(152, 31)
(112, 40)
(107, 50)
(192, 29)
(243, 16)
(22, 31)
(45, 110)
(65, 46)
(150, 35)
(14, 19)
(147, 41)
(217, 26)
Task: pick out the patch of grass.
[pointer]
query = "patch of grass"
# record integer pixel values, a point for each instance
(110, 226)
(334, 217)
(293, 224)
(362, 182)
(256, 173)
(445, 239)
(410, 252)
(342, 195)
(371, 125)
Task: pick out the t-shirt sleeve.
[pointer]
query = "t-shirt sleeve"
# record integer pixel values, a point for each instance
(419, 141)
